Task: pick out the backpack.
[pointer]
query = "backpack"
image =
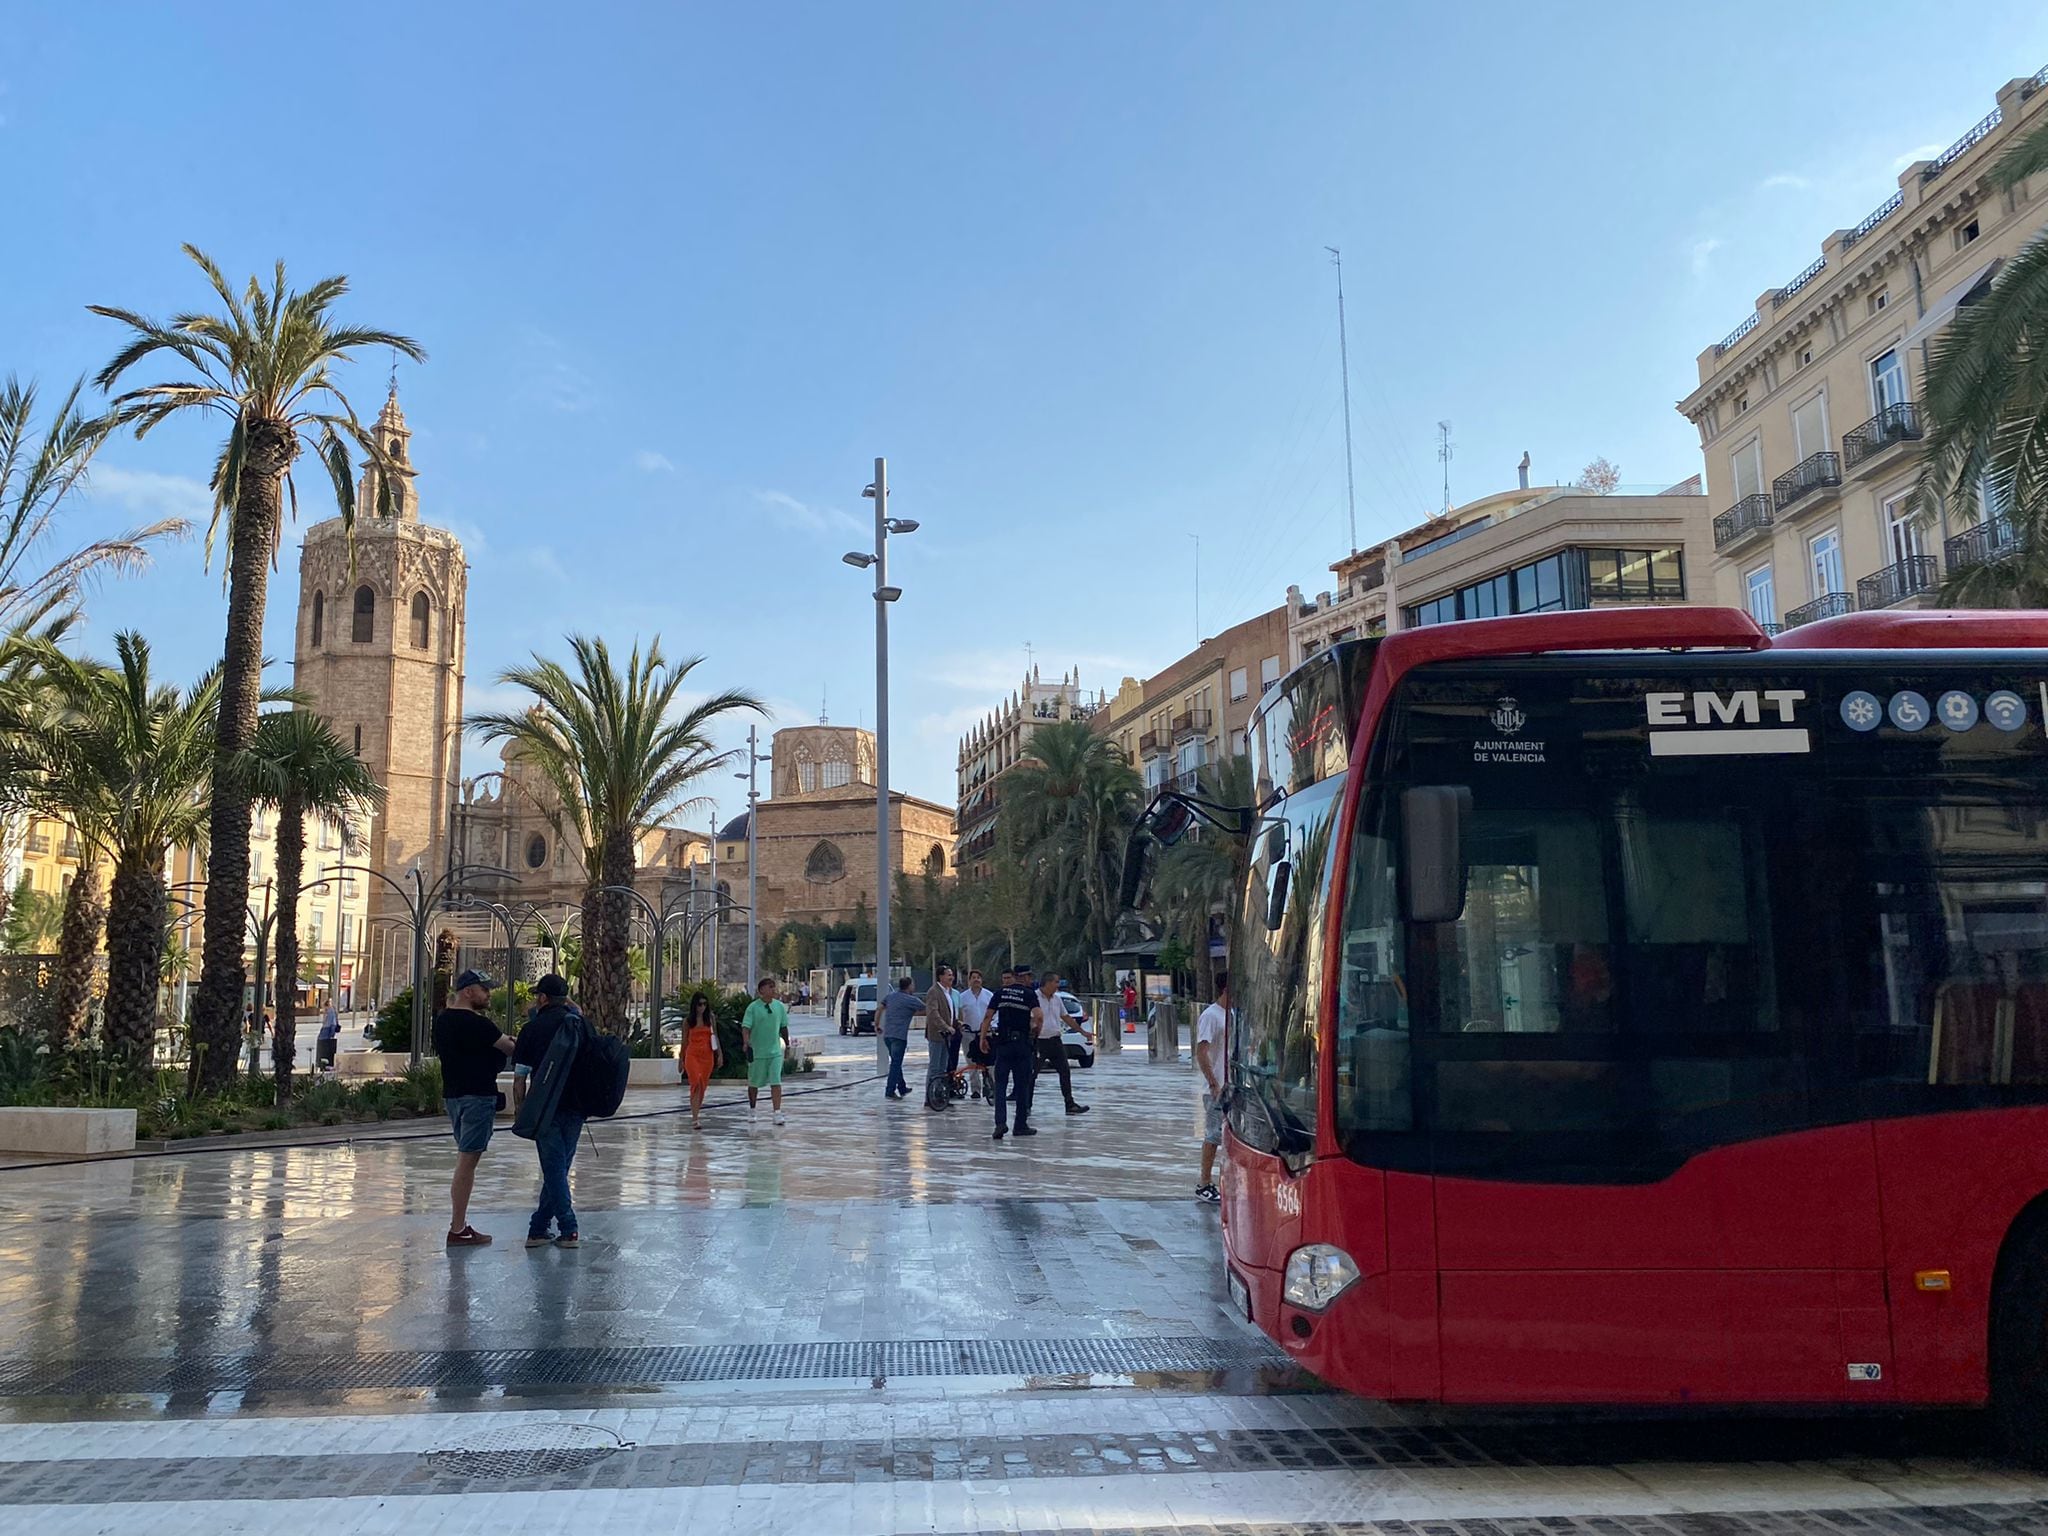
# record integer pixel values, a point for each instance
(602, 1067)
(544, 1089)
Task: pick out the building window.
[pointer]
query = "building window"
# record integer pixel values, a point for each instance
(935, 861)
(1805, 356)
(1237, 743)
(826, 863)
(365, 624)
(1761, 594)
(1635, 575)
(319, 926)
(1824, 563)
(319, 615)
(1876, 302)
(536, 851)
(1887, 381)
(838, 772)
(422, 616)
(1747, 463)
(1810, 428)
(1240, 684)
(1269, 672)
(359, 741)
(1741, 404)
(1966, 235)
(1902, 536)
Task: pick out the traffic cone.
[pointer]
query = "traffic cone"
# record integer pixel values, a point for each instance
(1130, 1026)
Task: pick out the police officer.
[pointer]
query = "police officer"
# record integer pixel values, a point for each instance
(1006, 1041)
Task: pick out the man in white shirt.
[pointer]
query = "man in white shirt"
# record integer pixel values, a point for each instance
(1211, 1029)
(1049, 1019)
(972, 1009)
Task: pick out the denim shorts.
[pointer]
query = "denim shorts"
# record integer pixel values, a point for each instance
(1212, 1121)
(471, 1118)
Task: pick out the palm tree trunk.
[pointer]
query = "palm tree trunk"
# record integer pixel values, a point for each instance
(607, 970)
(217, 1005)
(291, 858)
(79, 940)
(135, 952)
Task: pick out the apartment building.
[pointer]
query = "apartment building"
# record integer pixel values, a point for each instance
(994, 746)
(1529, 550)
(1197, 710)
(1808, 411)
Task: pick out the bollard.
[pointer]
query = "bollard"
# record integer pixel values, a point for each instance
(1103, 1019)
(1162, 1035)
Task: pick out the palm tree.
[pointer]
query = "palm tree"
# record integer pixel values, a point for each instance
(617, 764)
(1987, 412)
(1069, 804)
(128, 767)
(1204, 873)
(265, 364)
(298, 767)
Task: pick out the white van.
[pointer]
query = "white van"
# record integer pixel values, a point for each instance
(855, 1007)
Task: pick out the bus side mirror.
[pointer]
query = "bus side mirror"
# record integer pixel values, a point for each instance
(1433, 821)
(1137, 859)
(1276, 897)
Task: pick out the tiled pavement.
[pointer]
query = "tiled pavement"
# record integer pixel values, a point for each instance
(873, 1317)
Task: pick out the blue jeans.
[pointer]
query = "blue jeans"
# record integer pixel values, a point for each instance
(896, 1050)
(556, 1146)
(1011, 1067)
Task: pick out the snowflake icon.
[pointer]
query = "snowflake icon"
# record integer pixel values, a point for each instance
(1862, 711)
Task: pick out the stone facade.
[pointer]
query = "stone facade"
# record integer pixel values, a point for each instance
(995, 745)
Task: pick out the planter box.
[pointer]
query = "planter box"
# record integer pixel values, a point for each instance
(653, 1072)
(67, 1132)
(371, 1063)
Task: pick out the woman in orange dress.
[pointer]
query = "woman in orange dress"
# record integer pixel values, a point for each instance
(700, 1055)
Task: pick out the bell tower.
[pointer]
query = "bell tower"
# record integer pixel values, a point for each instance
(379, 652)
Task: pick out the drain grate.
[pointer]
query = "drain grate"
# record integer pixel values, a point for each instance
(527, 1451)
(456, 1370)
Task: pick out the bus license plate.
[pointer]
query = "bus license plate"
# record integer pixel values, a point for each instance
(1240, 1297)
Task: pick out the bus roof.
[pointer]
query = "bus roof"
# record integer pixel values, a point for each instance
(1932, 630)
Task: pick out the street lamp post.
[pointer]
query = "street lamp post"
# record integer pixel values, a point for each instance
(755, 758)
(885, 594)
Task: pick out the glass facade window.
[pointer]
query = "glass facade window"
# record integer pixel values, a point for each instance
(1635, 575)
(1571, 578)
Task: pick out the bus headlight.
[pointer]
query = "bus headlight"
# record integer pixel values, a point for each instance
(1317, 1276)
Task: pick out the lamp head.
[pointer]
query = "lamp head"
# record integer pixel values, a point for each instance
(868, 492)
(901, 524)
(888, 594)
(855, 557)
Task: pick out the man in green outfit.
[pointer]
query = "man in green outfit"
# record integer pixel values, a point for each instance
(766, 1028)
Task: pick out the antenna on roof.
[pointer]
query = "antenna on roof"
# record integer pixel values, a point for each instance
(824, 697)
(1444, 449)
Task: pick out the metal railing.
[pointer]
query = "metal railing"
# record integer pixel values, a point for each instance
(1819, 266)
(1755, 319)
(38, 842)
(1875, 217)
(1962, 146)
(1750, 515)
(1992, 539)
(2034, 83)
(1770, 629)
(1831, 606)
(1804, 478)
(1150, 743)
(1895, 583)
(1190, 722)
(1894, 424)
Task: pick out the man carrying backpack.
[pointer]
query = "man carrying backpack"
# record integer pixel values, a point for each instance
(553, 1111)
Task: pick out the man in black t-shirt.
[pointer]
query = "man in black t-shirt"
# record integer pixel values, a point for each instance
(473, 1051)
(1006, 1042)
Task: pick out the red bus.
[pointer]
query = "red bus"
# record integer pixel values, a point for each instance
(1631, 1009)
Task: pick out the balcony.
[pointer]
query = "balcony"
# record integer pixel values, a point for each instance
(1193, 722)
(1893, 425)
(1751, 515)
(1832, 606)
(1992, 539)
(1151, 744)
(1805, 481)
(1911, 577)
(39, 842)
(70, 848)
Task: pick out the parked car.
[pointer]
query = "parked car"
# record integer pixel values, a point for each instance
(856, 1007)
(1076, 1035)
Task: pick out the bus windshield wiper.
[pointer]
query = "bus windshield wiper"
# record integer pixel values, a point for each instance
(1289, 1134)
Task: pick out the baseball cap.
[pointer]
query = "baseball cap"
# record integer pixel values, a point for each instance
(551, 985)
(474, 979)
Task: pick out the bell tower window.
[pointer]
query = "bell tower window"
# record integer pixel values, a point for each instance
(319, 615)
(422, 612)
(365, 626)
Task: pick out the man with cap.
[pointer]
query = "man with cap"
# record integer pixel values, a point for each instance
(555, 1140)
(472, 1050)
(1006, 1031)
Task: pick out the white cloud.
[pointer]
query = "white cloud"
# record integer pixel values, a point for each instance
(1924, 152)
(787, 511)
(148, 493)
(1784, 181)
(1702, 254)
(650, 462)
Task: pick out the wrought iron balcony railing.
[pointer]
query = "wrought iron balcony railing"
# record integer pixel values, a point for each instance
(1832, 606)
(1895, 583)
(1817, 472)
(1891, 426)
(1752, 514)
(1151, 743)
(1191, 722)
(1992, 539)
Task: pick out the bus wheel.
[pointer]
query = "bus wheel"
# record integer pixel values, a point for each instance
(2019, 1347)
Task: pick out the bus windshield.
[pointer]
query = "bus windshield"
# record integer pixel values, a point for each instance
(1703, 902)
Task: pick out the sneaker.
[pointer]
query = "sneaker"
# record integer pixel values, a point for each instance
(1000, 1133)
(568, 1240)
(538, 1242)
(1027, 1130)
(468, 1237)
(1077, 1109)
(778, 1118)
(1208, 1194)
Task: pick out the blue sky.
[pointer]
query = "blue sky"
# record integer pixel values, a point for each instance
(683, 272)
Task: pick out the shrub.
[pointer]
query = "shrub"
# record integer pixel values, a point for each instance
(24, 1067)
(420, 1089)
(393, 1029)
